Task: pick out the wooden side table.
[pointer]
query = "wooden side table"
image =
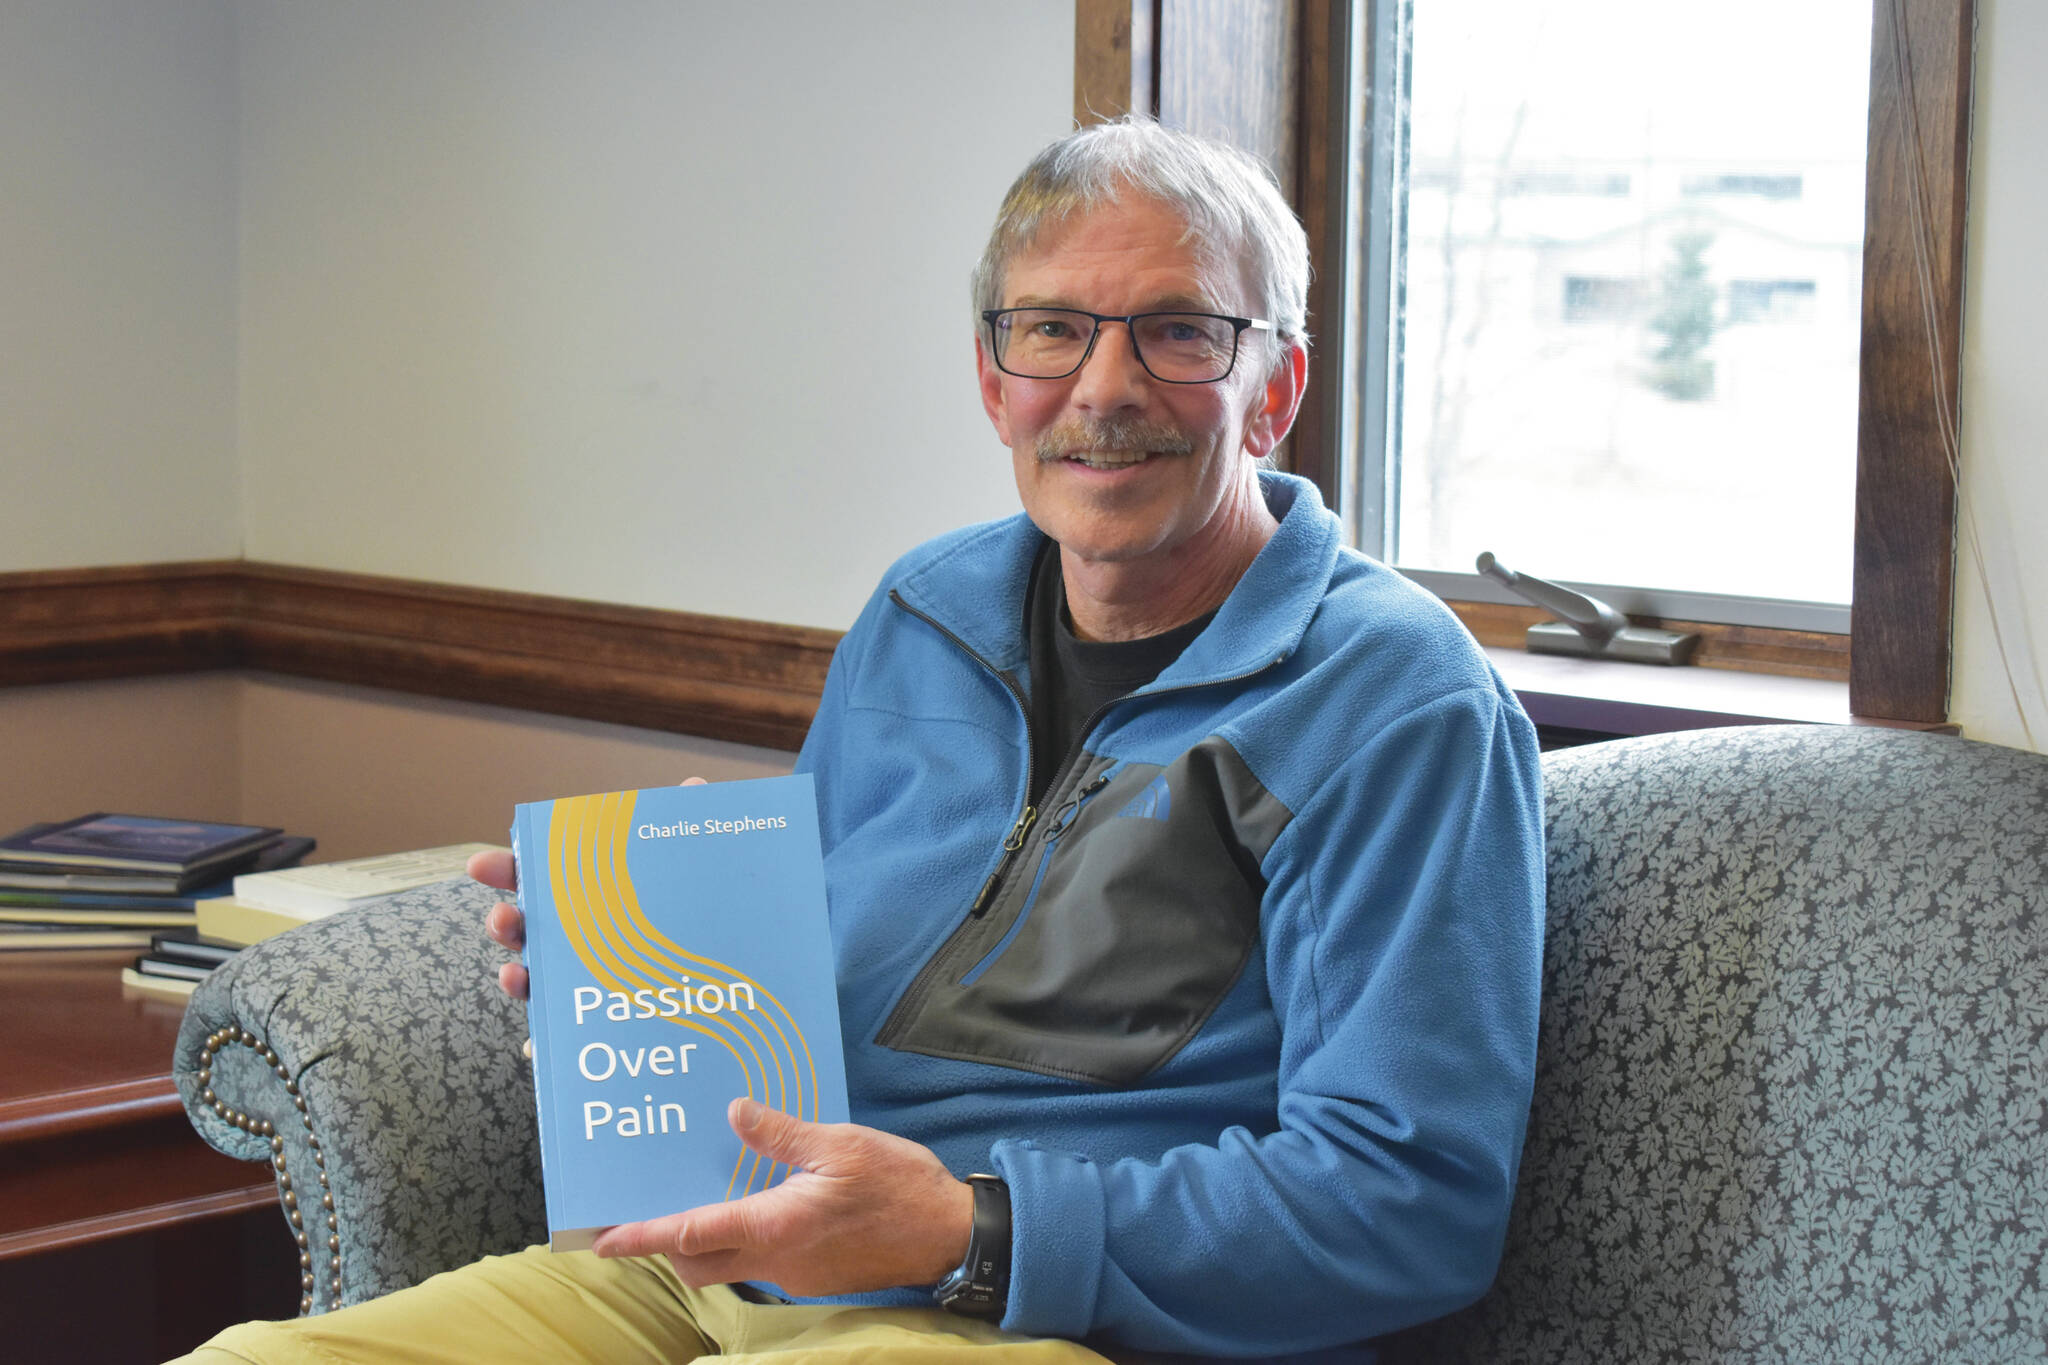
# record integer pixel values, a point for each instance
(122, 1235)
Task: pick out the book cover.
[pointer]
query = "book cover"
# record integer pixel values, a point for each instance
(679, 956)
(322, 889)
(189, 945)
(45, 880)
(10, 898)
(153, 964)
(146, 843)
(104, 917)
(166, 987)
(40, 937)
(229, 920)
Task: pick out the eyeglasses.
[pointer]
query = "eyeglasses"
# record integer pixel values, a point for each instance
(1174, 348)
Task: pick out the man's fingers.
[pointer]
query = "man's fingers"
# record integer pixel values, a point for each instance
(699, 1232)
(693, 782)
(494, 868)
(735, 1226)
(635, 1239)
(512, 980)
(506, 926)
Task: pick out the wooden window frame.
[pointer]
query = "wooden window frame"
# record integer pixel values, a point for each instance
(1270, 75)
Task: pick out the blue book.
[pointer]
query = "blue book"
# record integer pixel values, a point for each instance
(679, 956)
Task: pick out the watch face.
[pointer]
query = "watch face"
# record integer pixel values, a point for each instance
(958, 1295)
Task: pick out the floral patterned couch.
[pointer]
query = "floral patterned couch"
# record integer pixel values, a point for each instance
(1791, 1102)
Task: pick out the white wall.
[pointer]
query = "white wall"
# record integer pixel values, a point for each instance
(2001, 651)
(117, 283)
(370, 772)
(362, 770)
(659, 302)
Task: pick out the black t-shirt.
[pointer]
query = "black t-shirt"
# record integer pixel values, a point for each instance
(1071, 678)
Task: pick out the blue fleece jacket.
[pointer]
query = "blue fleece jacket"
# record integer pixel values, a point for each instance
(1246, 1015)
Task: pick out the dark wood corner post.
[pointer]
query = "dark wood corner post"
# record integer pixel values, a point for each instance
(1916, 191)
(1116, 59)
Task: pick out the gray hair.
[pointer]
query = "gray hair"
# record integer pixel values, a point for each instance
(1230, 201)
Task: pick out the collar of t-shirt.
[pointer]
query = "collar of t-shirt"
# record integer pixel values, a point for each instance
(1072, 678)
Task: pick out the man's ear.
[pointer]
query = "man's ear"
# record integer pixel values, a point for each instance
(992, 401)
(1278, 401)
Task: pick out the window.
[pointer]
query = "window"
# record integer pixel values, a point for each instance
(1278, 79)
(1586, 230)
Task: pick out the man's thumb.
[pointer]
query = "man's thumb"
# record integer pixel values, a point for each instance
(773, 1133)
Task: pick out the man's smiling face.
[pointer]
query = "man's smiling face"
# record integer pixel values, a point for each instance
(1111, 463)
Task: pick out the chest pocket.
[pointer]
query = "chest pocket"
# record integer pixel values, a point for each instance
(1126, 919)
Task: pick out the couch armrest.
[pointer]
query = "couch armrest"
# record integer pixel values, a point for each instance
(372, 1061)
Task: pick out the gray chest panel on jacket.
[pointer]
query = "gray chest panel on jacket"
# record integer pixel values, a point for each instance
(1125, 919)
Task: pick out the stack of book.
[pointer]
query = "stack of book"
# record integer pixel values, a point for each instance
(115, 881)
(177, 961)
(268, 903)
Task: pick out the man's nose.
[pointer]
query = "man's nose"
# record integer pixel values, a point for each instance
(1112, 377)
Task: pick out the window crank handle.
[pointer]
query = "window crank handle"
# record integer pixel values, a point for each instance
(1591, 617)
(1588, 628)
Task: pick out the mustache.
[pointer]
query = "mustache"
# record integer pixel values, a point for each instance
(1123, 435)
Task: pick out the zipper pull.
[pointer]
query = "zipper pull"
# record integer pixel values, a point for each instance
(1013, 842)
(1071, 807)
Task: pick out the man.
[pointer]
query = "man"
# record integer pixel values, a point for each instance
(1184, 866)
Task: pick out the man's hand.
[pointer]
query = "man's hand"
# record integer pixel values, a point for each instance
(864, 1210)
(504, 923)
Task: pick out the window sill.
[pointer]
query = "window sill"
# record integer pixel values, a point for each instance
(1642, 699)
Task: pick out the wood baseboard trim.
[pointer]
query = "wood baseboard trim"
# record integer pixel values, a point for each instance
(746, 682)
(73, 625)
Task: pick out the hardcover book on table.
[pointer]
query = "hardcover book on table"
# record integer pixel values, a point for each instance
(104, 917)
(131, 909)
(679, 956)
(141, 843)
(44, 937)
(324, 888)
(36, 884)
(266, 904)
(189, 945)
(134, 889)
(172, 988)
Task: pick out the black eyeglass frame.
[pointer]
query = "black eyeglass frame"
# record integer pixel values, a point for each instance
(1238, 327)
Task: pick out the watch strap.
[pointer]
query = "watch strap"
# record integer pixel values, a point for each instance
(980, 1286)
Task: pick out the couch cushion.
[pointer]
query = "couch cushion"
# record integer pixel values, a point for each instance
(1789, 1102)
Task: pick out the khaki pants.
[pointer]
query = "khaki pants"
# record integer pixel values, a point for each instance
(552, 1309)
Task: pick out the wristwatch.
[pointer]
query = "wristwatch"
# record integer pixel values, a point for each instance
(980, 1287)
